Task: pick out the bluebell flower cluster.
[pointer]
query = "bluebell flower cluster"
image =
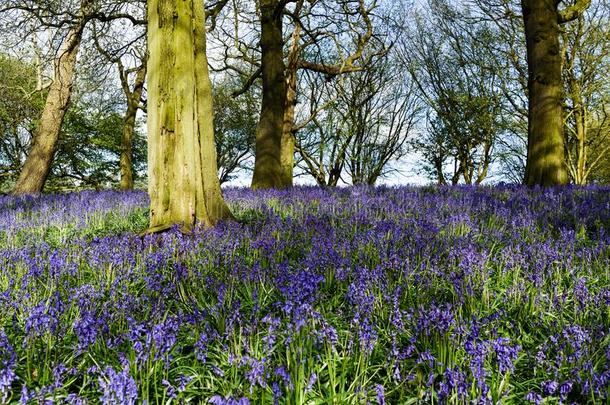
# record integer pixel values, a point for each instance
(354, 295)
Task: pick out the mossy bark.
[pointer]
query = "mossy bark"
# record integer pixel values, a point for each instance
(268, 149)
(545, 155)
(183, 183)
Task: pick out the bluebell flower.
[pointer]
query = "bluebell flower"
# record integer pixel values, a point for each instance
(183, 381)
(380, 394)
(218, 400)
(565, 389)
(44, 317)
(282, 373)
(277, 392)
(73, 399)
(87, 328)
(550, 387)
(506, 354)
(117, 387)
(534, 397)
(7, 377)
(311, 381)
(256, 372)
(26, 396)
(581, 293)
(170, 390)
(8, 361)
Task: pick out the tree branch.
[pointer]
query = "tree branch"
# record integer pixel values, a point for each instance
(257, 73)
(573, 12)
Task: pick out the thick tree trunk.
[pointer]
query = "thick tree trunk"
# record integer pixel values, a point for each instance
(545, 155)
(183, 183)
(38, 163)
(268, 162)
(129, 123)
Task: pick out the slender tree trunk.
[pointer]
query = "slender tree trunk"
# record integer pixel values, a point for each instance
(457, 172)
(545, 155)
(183, 183)
(484, 167)
(268, 162)
(440, 176)
(125, 161)
(288, 134)
(37, 165)
(129, 123)
(579, 173)
(581, 154)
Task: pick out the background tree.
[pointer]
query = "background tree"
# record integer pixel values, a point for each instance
(545, 152)
(600, 173)
(322, 142)
(88, 149)
(583, 45)
(586, 76)
(125, 48)
(500, 52)
(20, 106)
(381, 112)
(367, 119)
(89, 144)
(64, 23)
(40, 156)
(267, 164)
(325, 37)
(350, 46)
(475, 120)
(462, 92)
(134, 97)
(235, 121)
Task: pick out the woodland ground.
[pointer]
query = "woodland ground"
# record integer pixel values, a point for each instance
(355, 295)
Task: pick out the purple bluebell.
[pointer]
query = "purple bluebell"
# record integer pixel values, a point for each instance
(117, 387)
(506, 354)
(219, 400)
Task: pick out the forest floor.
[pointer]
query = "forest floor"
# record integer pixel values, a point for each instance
(345, 296)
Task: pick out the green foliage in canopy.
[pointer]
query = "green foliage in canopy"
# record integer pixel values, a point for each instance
(20, 107)
(90, 143)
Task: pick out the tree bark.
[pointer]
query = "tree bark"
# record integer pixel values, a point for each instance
(581, 152)
(37, 165)
(268, 151)
(183, 183)
(576, 154)
(545, 155)
(288, 134)
(129, 122)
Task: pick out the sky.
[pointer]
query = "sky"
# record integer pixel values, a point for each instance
(406, 174)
